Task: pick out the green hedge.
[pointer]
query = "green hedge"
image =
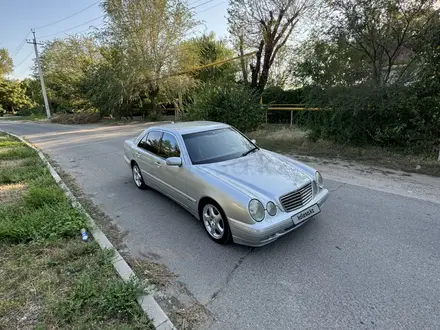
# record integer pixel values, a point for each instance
(400, 116)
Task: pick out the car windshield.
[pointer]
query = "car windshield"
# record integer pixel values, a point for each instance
(217, 145)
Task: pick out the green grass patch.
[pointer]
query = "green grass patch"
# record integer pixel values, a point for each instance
(28, 169)
(65, 284)
(9, 143)
(19, 223)
(50, 278)
(17, 152)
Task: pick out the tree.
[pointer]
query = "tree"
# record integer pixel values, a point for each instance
(12, 96)
(384, 32)
(264, 26)
(232, 103)
(325, 63)
(204, 50)
(65, 63)
(149, 33)
(279, 74)
(109, 86)
(6, 64)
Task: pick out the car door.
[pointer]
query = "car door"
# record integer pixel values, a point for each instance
(172, 178)
(148, 158)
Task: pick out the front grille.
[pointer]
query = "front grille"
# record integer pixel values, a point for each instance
(296, 199)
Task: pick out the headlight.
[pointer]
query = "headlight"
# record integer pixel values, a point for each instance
(319, 179)
(256, 210)
(271, 208)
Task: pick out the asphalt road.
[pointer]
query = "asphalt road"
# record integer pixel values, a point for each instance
(370, 260)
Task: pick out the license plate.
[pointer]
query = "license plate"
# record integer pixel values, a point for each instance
(304, 215)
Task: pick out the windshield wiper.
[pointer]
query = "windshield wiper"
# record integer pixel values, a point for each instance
(249, 151)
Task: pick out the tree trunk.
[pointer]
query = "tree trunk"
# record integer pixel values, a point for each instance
(244, 71)
(266, 67)
(154, 92)
(256, 69)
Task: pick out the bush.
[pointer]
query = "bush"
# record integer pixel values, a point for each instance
(229, 103)
(38, 111)
(398, 116)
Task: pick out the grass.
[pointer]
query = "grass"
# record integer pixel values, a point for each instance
(283, 139)
(51, 279)
(184, 311)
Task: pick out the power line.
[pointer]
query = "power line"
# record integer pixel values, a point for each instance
(77, 26)
(82, 31)
(192, 3)
(20, 45)
(74, 14)
(209, 8)
(202, 4)
(24, 60)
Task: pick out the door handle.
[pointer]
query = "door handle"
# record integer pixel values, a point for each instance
(158, 164)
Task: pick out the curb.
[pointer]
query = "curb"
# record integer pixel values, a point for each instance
(147, 302)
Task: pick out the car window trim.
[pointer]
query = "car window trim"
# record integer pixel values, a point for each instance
(177, 141)
(153, 130)
(161, 131)
(140, 140)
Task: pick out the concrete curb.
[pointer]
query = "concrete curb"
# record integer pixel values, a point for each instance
(147, 302)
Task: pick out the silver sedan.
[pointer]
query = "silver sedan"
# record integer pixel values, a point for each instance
(241, 193)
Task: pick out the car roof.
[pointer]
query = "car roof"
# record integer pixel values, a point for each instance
(190, 126)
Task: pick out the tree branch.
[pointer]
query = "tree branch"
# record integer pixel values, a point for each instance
(280, 45)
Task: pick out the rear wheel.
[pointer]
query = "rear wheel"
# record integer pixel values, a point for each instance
(137, 177)
(215, 223)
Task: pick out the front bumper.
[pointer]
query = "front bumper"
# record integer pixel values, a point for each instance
(271, 228)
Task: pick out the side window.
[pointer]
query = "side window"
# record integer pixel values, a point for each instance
(151, 142)
(170, 148)
(143, 143)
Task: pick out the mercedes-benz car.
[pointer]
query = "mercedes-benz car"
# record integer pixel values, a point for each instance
(241, 192)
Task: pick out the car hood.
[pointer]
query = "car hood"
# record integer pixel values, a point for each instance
(262, 174)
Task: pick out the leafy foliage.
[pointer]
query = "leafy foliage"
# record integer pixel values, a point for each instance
(6, 64)
(12, 96)
(391, 116)
(64, 82)
(234, 104)
(204, 50)
(147, 35)
(374, 73)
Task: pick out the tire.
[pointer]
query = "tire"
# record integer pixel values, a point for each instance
(215, 222)
(137, 177)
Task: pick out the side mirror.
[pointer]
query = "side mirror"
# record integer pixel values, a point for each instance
(174, 161)
(254, 141)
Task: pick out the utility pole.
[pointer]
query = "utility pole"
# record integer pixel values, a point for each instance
(43, 87)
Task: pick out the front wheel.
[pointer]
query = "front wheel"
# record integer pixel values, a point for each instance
(215, 223)
(137, 177)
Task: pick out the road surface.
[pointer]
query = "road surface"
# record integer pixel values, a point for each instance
(370, 260)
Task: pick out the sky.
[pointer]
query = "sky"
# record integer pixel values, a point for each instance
(18, 17)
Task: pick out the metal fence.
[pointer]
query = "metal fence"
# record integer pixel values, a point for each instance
(288, 107)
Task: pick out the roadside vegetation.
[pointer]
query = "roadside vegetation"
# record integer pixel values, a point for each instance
(51, 279)
(372, 68)
(296, 141)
